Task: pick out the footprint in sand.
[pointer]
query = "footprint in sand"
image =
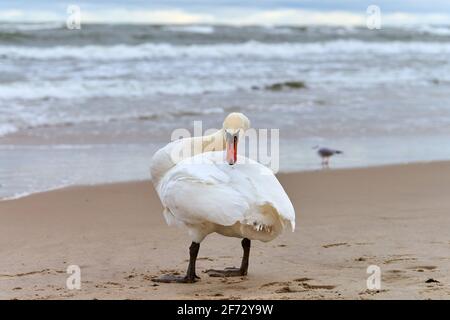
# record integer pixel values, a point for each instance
(361, 259)
(302, 279)
(47, 271)
(110, 283)
(316, 287)
(286, 289)
(304, 283)
(202, 258)
(394, 275)
(423, 268)
(217, 295)
(275, 283)
(326, 246)
(164, 271)
(301, 283)
(365, 258)
(399, 258)
(372, 292)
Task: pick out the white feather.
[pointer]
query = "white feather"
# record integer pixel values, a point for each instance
(206, 194)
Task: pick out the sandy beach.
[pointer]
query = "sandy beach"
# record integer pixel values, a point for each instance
(395, 217)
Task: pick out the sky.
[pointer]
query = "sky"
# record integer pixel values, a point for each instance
(264, 12)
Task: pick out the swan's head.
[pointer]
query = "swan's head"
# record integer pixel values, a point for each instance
(234, 126)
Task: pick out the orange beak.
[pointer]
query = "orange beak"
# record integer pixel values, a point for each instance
(232, 150)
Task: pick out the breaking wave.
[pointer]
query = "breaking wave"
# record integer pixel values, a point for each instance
(249, 49)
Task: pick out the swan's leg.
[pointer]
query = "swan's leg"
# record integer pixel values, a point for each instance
(193, 252)
(190, 276)
(234, 272)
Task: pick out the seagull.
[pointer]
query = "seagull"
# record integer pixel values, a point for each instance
(215, 190)
(326, 154)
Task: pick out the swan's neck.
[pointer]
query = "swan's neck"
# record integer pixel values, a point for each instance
(168, 157)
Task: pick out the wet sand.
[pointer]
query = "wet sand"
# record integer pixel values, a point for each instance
(395, 217)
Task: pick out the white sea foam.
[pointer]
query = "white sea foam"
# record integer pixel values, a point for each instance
(434, 30)
(27, 119)
(249, 49)
(32, 191)
(96, 88)
(16, 196)
(7, 128)
(191, 29)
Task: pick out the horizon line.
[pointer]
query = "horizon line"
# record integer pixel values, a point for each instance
(274, 17)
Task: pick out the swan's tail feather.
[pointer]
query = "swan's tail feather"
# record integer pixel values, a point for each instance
(262, 227)
(170, 218)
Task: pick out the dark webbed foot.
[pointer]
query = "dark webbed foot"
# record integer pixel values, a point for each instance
(190, 276)
(171, 278)
(234, 272)
(227, 272)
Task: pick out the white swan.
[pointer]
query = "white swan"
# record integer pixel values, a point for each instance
(215, 191)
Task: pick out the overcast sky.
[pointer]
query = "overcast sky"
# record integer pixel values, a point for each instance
(346, 12)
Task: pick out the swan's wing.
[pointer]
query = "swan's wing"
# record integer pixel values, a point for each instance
(197, 191)
(204, 188)
(266, 189)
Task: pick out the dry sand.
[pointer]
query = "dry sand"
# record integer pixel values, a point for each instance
(396, 217)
